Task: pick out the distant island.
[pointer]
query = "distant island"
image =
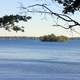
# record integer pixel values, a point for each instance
(47, 38)
(53, 37)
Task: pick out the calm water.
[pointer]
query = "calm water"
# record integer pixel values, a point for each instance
(35, 60)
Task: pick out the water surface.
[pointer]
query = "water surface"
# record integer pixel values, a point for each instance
(36, 60)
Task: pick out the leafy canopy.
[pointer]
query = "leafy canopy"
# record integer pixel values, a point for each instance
(70, 5)
(8, 22)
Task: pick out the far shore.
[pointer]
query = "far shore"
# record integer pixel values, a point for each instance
(25, 37)
(17, 37)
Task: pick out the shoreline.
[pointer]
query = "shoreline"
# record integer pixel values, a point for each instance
(17, 37)
(31, 38)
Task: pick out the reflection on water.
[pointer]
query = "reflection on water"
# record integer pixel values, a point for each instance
(34, 60)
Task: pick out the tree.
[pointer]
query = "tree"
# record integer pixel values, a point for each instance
(8, 22)
(53, 37)
(69, 6)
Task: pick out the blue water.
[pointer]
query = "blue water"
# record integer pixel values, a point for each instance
(36, 60)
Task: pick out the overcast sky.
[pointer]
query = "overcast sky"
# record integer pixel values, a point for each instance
(38, 25)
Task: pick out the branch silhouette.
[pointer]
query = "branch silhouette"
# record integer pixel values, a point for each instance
(49, 11)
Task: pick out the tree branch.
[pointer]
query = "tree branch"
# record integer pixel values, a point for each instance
(61, 16)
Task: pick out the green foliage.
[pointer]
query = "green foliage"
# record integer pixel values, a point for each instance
(8, 22)
(70, 5)
(52, 37)
(62, 38)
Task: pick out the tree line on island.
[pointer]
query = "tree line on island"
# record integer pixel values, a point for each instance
(54, 38)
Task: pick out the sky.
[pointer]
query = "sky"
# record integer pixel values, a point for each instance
(39, 24)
